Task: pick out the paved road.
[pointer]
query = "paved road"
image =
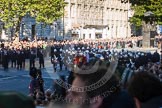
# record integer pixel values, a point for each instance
(18, 80)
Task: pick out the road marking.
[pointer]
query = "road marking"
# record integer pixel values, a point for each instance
(50, 77)
(8, 77)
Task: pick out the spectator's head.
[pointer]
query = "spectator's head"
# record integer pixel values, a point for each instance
(94, 95)
(15, 100)
(48, 93)
(144, 87)
(33, 72)
(39, 98)
(39, 73)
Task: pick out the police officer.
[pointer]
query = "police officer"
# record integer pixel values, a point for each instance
(19, 59)
(32, 59)
(155, 57)
(60, 59)
(5, 59)
(13, 58)
(41, 58)
(1, 52)
(54, 60)
(23, 58)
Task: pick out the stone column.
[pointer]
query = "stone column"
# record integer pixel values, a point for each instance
(75, 11)
(115, 25)
(146, 35)
(93, 33)
(118, 23)
(125, 23)
(69, 14)
(80, 32)
(110, 22)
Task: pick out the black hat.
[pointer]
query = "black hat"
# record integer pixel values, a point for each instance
(153, 103)
(39, 72)
(15, 100)
(33, 72)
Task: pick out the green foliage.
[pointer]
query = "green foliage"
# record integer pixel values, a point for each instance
(142, 6)
(46, 11)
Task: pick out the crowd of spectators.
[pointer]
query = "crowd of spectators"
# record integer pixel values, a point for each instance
(139, 88)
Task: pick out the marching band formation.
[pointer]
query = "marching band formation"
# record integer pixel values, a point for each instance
(80, 54)
(15, 54)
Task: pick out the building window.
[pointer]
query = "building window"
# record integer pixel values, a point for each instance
(90, 36)
(83, 36)
(98, 35)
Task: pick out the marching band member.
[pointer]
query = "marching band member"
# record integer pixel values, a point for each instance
(54, 60)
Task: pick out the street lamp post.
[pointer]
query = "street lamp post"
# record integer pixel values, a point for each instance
(41, 29)
(22, 30)
(55, 29)
(128, 19)
(147, 28)
(63, 23)
(1, 28)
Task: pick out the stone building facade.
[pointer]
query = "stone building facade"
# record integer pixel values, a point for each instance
(91, 19)
(30, 28)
